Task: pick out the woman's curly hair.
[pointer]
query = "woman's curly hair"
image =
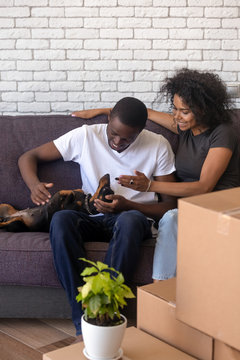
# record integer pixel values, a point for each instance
(204, 93)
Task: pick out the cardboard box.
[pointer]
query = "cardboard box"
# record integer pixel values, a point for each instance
(156, 305)
(208, 264)
(224, 352)
(137, 345)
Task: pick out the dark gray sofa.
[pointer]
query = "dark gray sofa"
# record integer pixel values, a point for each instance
(28, 283)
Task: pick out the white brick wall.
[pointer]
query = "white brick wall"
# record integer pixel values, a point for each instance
(63, 55)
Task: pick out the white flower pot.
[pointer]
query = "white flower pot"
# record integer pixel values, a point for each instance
(103, 342)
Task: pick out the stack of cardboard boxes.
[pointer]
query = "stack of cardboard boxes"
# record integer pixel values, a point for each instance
(199, 311)
(197, 314)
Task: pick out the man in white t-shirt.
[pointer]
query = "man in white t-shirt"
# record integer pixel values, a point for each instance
(119, 147)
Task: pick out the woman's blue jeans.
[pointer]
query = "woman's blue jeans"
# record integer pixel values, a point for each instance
(69, 230)
(165, 254)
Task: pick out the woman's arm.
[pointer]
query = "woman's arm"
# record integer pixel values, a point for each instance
(163, 119)
(213, 168)
(88, 114)
(154, 210)
(158, 117)
(119, 203)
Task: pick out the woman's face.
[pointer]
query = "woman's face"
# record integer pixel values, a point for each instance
(183, 115)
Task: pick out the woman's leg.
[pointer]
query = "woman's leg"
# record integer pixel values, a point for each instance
(165, 254)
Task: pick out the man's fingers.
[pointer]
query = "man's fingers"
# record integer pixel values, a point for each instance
(109, 197)
(41, 197)
(43, 193)
(103, 206)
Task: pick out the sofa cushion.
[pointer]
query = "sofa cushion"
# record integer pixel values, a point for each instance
(26, 259)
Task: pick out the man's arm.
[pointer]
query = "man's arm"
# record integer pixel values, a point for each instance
(28, 163)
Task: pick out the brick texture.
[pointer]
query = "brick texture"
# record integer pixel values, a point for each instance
(57, 56)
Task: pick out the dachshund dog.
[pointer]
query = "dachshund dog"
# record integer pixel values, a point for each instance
(39, 218)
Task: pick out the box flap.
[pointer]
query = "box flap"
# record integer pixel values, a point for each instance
(223, 200)
(165, 290)
(137, 345)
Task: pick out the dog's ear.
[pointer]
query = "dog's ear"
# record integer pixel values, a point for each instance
(103, 189)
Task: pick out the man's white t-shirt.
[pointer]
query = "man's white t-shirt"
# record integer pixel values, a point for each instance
(88, 146)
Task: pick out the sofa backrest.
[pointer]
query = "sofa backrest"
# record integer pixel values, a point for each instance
(21, 133)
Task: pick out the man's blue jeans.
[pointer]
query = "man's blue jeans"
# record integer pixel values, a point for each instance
(70, 229)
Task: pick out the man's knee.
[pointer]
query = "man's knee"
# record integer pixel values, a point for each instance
(131, 218)
(59, 218)
(133, 226)
(64, 218)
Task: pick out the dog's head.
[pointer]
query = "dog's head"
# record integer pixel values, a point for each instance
(101, 192)
(103, 189)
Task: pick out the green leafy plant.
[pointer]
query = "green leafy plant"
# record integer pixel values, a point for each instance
(103, 294)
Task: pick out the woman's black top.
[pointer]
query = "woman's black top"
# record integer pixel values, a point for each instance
(192, 151)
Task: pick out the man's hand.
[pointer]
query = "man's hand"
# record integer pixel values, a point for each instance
(118, 204)
(39, 193)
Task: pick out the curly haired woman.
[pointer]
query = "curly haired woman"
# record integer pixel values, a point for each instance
(207, 157)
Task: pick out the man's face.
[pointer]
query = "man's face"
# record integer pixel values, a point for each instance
(120, 136)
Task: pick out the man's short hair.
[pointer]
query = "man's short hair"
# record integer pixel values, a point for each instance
(131, 112)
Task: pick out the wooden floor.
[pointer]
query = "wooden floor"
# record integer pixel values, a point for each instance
(29, 339)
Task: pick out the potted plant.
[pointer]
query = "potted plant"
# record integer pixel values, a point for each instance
(102, 296)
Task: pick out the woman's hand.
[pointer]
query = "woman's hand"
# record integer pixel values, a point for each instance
(139, 182)
(88, 114)
(85, 114)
